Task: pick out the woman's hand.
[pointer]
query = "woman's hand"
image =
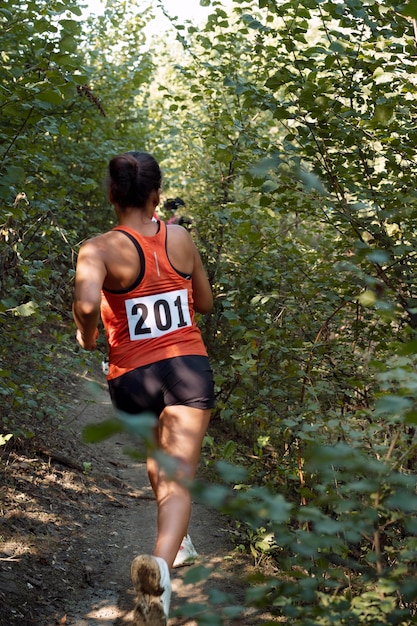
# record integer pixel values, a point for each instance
(87, 345)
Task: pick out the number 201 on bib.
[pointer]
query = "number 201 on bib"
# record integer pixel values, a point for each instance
(153, 316)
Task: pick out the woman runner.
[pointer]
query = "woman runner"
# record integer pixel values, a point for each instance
(146, 279)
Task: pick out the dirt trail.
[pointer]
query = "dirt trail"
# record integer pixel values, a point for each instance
(117, 535)
(73, 516)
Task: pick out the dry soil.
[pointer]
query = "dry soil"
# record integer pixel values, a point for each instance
(74, 515)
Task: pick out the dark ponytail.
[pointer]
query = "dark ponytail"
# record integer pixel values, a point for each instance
(132, 177)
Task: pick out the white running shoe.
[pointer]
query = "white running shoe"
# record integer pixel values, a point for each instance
(150, 577)
(187, 554)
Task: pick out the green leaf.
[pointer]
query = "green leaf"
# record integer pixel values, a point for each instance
(25, 310)
(95, 433)
(410, 9)
(141, 425)
(404, 501)
(68, 44)
(393, 405)
(252, 22)
(52, 96)
(231, 473)
(262, 167)
(384, 112)
(15, 173)
(281, 113)
(213, 495)
(367, 298)
(310, 181)
(196, 574)
(410, 417)
(378, 256)
(410, 347)
(279, 509)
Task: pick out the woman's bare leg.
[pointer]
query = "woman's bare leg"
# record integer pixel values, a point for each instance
(181, 433)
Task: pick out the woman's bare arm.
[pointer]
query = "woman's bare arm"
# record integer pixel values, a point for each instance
(202, 293)
(89, 277)
(184, 256)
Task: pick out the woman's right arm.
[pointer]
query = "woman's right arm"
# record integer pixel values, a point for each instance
(202, 293)
(184, 256)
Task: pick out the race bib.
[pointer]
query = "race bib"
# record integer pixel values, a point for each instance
(153, 316)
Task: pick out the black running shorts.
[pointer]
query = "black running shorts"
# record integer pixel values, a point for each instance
(182, 380)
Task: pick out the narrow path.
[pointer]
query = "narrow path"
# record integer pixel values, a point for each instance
(73, 517)
(125, 526)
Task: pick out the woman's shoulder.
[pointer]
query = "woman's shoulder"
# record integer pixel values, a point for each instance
(179, 237)
(179, 232)
(98, 242)
(180, 248)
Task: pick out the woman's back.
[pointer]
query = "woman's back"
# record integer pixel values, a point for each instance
(123, 262)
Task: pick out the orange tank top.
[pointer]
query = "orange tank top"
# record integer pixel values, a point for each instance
(153, 319)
